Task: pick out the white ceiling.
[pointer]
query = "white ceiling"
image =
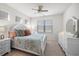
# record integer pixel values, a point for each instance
(53, 8)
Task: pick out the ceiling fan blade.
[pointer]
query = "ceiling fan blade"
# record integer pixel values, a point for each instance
(44, 10)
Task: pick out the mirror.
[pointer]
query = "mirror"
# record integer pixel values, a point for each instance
(70, 26)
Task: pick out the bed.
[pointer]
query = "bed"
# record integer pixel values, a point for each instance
(34, 43)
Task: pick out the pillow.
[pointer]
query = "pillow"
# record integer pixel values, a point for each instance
(12, 34)
(27, 32)
(20, 33)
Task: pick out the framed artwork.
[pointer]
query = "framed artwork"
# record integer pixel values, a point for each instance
(26, 21)
(17, 19)
(3, 15)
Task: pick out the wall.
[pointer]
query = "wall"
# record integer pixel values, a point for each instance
(73, 10)
(57, 21)
(12, 13)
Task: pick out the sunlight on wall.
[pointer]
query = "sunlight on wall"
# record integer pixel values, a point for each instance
(2, 29)
(8, 17)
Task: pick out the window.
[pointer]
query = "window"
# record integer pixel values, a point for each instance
(44, 26)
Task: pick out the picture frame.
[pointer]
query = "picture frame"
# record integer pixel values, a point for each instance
(17, 19)
(3, 15)
(26, 21)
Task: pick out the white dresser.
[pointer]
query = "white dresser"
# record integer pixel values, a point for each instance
(69, 44)
(4, 46)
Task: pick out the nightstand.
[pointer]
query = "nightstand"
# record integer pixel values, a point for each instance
(4, 46)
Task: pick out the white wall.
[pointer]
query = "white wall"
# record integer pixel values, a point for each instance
(12, 13)
(73, 10)
(57, 21)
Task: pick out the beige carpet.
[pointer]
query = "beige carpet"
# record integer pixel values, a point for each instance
(52, 49)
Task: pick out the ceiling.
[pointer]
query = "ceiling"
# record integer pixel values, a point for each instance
(53, 8)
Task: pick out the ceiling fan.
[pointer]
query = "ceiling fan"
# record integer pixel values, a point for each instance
(40, 9)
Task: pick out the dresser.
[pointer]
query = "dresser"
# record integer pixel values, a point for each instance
(69, 44)
(4, 46)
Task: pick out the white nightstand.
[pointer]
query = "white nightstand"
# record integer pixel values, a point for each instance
(4, 46)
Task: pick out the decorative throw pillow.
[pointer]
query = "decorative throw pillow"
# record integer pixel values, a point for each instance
(27, 32)
(12, 34)
(20, 32)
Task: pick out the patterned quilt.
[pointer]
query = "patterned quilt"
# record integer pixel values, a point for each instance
(32, 42)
